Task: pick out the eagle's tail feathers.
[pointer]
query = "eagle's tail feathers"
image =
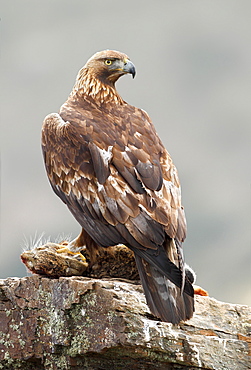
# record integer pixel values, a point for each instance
(162, 263)
(165, 299)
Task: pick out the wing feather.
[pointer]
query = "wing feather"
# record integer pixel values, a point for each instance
(100, 161)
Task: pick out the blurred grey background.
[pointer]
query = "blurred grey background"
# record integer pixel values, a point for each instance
(193, 61)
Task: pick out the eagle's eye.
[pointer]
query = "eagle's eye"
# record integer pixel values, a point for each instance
(108, 62)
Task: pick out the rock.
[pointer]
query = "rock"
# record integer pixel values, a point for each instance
(85, 323)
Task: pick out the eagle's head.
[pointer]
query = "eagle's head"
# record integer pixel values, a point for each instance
(97, 78)
(109, 65)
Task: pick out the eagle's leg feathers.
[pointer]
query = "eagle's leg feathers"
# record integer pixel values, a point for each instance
(84, 243)
(79, 243)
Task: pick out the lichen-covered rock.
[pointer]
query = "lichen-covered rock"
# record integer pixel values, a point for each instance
(84, 323)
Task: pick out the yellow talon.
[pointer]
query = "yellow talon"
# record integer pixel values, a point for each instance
(66, 250)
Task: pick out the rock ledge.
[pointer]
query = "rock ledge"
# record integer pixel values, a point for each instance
(84, 323)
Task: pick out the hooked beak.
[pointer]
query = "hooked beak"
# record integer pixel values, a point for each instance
(129, 68)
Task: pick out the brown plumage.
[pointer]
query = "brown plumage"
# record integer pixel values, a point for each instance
(106, 162)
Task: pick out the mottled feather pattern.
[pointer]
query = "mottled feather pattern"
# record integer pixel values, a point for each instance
(105, 160)
(87, 167)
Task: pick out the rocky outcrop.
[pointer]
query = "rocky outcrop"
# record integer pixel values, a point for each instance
(84, 323)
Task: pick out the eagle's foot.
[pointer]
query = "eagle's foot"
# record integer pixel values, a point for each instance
(64, 247)
(54, 260)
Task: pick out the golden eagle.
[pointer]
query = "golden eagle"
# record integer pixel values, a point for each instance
(106, 162)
